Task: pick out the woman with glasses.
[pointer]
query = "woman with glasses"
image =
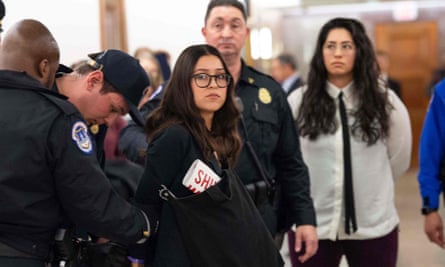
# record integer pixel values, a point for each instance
(197, 119)
(355, 137)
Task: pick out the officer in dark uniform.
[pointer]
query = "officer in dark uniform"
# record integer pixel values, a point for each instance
(120, 70)
(129, 79)
(49, 171)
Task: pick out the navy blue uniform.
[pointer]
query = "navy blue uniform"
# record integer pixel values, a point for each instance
(273, 134)
(50, 172)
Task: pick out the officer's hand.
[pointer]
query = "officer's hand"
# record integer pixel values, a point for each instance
(434, 228)
(306, 235)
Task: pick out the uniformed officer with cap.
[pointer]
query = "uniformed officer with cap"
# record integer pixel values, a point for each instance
(97, 87)
(49, 172)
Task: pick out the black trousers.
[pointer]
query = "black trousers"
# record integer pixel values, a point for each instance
(20, 262)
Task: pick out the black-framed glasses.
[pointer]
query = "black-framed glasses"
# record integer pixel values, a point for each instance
(203, 80)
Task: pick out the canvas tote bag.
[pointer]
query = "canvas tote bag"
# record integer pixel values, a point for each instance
(222, 227)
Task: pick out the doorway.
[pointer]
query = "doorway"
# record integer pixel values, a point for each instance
(413, 51)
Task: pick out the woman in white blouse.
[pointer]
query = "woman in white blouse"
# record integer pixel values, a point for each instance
(344, 67)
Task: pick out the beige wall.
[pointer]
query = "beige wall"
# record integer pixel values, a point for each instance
(296, 32)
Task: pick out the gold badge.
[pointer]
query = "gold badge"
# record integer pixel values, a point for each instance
(94, 129)
(264, 96)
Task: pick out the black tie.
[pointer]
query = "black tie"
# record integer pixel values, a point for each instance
(348, 188)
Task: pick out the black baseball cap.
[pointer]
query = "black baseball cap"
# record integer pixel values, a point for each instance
(63, 69)
(125, 74)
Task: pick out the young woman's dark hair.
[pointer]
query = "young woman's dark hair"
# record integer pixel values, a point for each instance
(178, 107)
(317, 112)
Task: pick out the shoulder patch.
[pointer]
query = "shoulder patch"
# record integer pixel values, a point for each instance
(79, 134)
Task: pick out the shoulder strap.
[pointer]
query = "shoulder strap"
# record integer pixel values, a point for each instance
(269, 182)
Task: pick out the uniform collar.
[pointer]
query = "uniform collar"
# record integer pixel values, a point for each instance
(247, 75)
(10, 79)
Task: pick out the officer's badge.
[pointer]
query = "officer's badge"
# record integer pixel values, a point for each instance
(80, 135)
(94, 129)
(264, 95)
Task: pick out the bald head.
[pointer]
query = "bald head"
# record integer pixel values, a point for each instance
(30, 47)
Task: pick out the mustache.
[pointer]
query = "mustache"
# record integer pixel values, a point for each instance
(225, 42)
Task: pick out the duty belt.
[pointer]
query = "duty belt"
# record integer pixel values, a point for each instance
(259, 192)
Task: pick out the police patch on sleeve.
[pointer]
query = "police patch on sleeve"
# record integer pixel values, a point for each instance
(80, 135)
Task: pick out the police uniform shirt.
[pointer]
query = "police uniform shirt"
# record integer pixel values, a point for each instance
(273, 134)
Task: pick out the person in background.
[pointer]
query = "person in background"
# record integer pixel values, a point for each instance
(431, 176)
(164, 59)
(269, 129)
(152, 66)
(384, 63)
(356, 115)
(59, 180)
(162, 56)
(284, 69)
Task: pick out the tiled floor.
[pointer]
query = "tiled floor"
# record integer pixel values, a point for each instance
(414, 248)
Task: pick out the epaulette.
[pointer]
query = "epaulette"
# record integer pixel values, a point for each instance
(257, 78)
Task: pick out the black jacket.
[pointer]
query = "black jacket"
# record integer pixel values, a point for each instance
(50, 172)
(169, 156)
(132, 139)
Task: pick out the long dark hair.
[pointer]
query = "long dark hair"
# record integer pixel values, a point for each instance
(178, 107)
(317, 112)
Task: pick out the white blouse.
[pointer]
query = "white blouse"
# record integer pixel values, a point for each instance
(374, 169)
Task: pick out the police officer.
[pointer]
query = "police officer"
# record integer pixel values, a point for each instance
(49, 170)
(95, 88)
(269, 127)
(95, 84)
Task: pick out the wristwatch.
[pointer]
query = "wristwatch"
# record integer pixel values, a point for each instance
(428, 210)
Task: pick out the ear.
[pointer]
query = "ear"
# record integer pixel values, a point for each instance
(94, 79)
(44, 69)
(203, 31)
(45, 74)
